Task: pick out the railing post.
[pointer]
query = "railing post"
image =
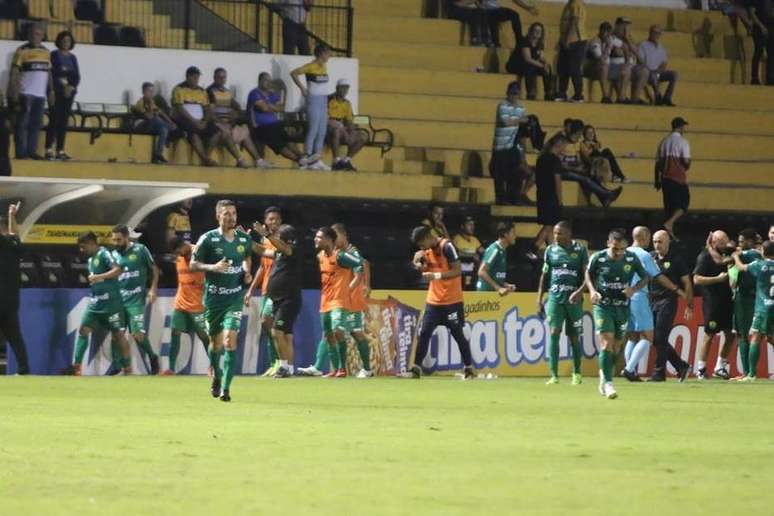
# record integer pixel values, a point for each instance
(258, 22)
(187, 16)
(271, 31)
(350, 30)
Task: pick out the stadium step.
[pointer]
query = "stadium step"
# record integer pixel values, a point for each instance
(433, 168)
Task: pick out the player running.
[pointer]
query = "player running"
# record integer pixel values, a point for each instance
(609, 280)
(763, 320)
(224, 254)
(564, 270)
(104, 310)
(743, 285)
(188, 315)
(136, 262)
(438, 261)
(493, 270)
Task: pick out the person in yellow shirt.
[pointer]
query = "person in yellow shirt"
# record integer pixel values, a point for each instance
(193, 113)
(315, 91)
(151, 119)
(572, 49)
(179, 222)
(470, 250)
(341, 128)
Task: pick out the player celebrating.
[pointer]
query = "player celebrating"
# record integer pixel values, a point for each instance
(104, 310)
(564, 270)
(438, 261)
(609, 280)
(743, 285)
(136, 261)
(188, 315)
(763, 320)
(224, 255)
(494, 267)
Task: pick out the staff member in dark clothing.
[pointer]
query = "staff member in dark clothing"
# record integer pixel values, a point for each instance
(548, 178)
(10, 283)
(663, 302)
(67, 76)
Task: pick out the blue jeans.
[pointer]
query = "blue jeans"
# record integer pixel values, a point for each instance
(160, 128)
(29, 120)
(665, 76)
(317, 117)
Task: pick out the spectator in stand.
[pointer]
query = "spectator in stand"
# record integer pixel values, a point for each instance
(622, 39)
(654, 65)
(590, 148)
(193, 113)
(179, 222)
(341, 128)
(760, 14)
(623, 58)
(434, 221)
(470, 250)
(153, 120)
(5, 138)
(508, 167)
(528, 61)
(294, 37)
(227, 115)
(316, 94)
(263, 104)
(548, 177)
(673, 160)
(470, 13)
(29, 86)
(66, 77)
(495, 15)
(597, 66)
(572, 49)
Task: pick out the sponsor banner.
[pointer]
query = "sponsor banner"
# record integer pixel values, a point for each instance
(65, 234)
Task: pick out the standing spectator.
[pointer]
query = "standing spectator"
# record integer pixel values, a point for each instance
(179, 222)
(528, 60)
(29, 86)
(341, 127)
(654, 63)
(597, 66)
(66, 77)
(470, 13)
(507, 166)
(153, 120)
(470, 250)
(590, 148)
(548, 178)
(434, 221)
(263, 104)
(316, 94)
(495, 15)
(294, 37)
(673, 160)
(227, 111)
(10, 284)
(5, 138)
(192, 112)
(572, 48)
(761, 13)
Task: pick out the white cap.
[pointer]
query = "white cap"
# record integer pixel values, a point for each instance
(342, 82)
(134, 235)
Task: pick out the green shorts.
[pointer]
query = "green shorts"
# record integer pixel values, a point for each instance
(112, 322)
(334, 320)
(763, 323)
(744, 310)
(559, 313)
(220, 319)
(355, 321)
(611, 319)
(188, 322)
(134, 315)
(267, 307)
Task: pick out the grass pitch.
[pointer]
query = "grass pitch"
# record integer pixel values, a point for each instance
(163, 446)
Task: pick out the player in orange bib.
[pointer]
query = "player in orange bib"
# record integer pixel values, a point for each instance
(438, 262)
(188, 315)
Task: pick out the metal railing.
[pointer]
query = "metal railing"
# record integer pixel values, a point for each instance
(331, 23)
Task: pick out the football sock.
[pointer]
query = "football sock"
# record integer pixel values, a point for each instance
(628, 350)
(145, 346)
(553, 355)
(333, 353)
(640, 350)
(755, 353)
(174, 349)
(229, 364)
(321, 358)
(365, 353)
(576, 355)
(80, 348)
(606, 365)
(700, 364)
(721, 363)
(744, 355)
(215, 361)
(342, 347)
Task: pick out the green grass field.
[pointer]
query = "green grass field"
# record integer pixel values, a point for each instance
(139, 445)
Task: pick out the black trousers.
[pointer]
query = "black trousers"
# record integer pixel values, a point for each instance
(294, 37)
(494, 17)
(474, 18)
(610, 157)
(59, 114)
(10, 330)
(569, 67)
(587, 184)
(504, 169)
(5, 145)
(451, 316)
(664, 311)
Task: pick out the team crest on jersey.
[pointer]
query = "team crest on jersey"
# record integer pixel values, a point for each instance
(96, 262)
(713, 325)
(240, 249)
(627, 267)
(574, 255)
(132, 257)
(667, 265)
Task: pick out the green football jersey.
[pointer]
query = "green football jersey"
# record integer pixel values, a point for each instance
(222, 290)
(136, 262)
(495, 258)
(611, 277)
(745, 283)
(763, 272)
(564, 269)
(105, 295)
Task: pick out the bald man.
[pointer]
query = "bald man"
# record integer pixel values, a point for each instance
(663, 302)
(717, 303)
(639, 333)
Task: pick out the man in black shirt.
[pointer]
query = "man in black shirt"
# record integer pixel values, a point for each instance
(717, 304)
(663, 302)
(548, 179)
(10, 283)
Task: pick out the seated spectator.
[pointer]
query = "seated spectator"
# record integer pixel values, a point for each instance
(227, 110)
(528, 61)
(495, 15)
(597, 65)
(263, 104)
(654, 65)
(470, 13)
(622, 35)
(508, 167)
(341, 128)
(591, 149)
(572, 49)
(434, 221)
(66, 76)
(193, 114)
(153, 120)
(470, 250)
(623, 58)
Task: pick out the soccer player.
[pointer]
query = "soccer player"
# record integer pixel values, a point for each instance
(188, 315)
(717, 304)
(272, 219)
(494, 268)
(609, 280)
(743, 285)
(763, 321)
(564, 272)
(105, 309)
(224, 254)
(641, 324)
(136, 262)
(438, 261)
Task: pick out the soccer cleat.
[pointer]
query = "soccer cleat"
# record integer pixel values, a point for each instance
(77, 370)
(168, 372)
(683, 372)
(577, 378)
(610, 391)
(747, 379)
(154, 364)
(553, 381)
(225, 395)
(468, 373)
(282, 372)
(126, 371)
(341, 373)
(721, 373)
(415, 372)
(631, 376)
(701, 374)
(601, 387)
(331, 373)
(309, 371)
(738, 378)
(113, 370)
(215, 387)
(365, 373)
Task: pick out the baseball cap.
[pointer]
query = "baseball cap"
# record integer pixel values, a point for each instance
(192, 70)
(343, 82)
(468, 219)
(679, 122)
(622, 19)
(513, 88)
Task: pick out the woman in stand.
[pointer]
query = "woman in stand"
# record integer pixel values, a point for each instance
(67, 76)
(528, 61)
(591, 148)
(315, 91)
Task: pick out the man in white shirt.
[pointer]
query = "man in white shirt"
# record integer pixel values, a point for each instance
(673, 160)
(654, 63)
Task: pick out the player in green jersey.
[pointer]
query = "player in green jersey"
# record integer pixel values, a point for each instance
(763, 320)
(136, 262)
(608, 278)
(104, 310)
(744, 295)
(224, 254)
(493, 270)
(564, 270)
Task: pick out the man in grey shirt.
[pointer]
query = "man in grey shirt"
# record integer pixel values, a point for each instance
(294, 13)
(654, 62)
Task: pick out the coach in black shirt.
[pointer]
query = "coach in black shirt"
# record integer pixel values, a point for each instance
(10, 284)
(663, 302)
